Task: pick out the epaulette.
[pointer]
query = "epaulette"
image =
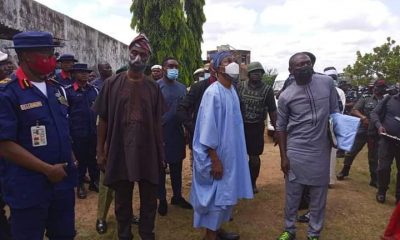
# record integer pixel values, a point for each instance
(53, 81)
(5, 82)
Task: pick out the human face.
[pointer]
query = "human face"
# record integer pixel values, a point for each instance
(105, 70)
(6, 68)
(256, 75)
(67, 65)
(138, 58)
(225, 62)
(81, 77)
(92, 76)
(156, 73)
(171, 69)
(301, 68)
(39, 61)
(299, 62)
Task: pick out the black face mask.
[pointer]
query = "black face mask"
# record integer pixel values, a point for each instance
(303, 75)
(137, 66)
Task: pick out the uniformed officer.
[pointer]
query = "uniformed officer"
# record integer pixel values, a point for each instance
(39, 175)
(82, 119)
(6, 68)
(66, 63)
(366, 133)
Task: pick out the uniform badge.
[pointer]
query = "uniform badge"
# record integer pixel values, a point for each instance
(61, 99)
(39, 137)
(31, 105)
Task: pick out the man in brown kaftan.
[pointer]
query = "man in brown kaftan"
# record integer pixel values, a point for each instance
(129, 140)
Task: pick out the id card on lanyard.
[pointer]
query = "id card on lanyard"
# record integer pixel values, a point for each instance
(39, 137)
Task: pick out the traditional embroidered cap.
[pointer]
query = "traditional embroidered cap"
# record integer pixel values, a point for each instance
(3, 56)
(67, 57)
(141, 41)
(33, 39)
(82, 67)
(156, 67)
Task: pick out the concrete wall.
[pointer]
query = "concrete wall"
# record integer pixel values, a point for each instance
(87, 44)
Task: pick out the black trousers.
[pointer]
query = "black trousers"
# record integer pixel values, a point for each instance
(5, 231)
(388, 150)
(175, 172)
(362, 138)
(124, 212)
(85, 152)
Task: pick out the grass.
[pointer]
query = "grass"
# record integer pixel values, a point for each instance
(352, 212)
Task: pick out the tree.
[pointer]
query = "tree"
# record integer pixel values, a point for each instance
(383, 62)
(174, 28)
(270, 75)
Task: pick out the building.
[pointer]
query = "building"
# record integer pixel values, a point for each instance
(87, 44)
(242, 57)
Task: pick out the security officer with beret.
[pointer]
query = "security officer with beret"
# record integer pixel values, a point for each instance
(64, 76)
(81, 96)
(39, 173)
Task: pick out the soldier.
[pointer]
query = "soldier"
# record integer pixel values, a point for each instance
(257, 100)
(365, 134)
(39, 174)
(82, 119)
(66, 63)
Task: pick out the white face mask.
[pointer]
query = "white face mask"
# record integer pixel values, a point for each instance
(206, 76)
(232, 69)
(201, 78)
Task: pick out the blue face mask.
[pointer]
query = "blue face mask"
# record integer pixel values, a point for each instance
(172, 73)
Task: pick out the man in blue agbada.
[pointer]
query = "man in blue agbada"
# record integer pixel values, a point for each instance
(220, 171)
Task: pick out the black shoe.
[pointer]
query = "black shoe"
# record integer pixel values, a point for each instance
(344, 173)
(81, 192)
(224, 235)
(380, 198)
(101, 226)
(94, 186)
(255, 189)
(373, 184)
(304, 218)
(135, 220)
(181, 202)
(163, 207)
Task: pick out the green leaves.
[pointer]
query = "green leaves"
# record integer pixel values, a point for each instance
(383, 62)
(174, 28)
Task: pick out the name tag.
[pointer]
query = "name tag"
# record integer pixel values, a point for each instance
(39, 137)
(31, 105)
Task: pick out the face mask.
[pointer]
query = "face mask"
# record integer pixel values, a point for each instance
(304, 74)
(201, 78)
(136, 63)
(172, 73)
(43, 65)
(207, 76)
(232, 71)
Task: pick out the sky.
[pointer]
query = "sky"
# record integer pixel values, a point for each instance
(272, 30)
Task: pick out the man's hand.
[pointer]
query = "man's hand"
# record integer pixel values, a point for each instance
(56, 173)
(365, 121)
(381, 130)
(101, 160)
(275, 138)
(285, 165)
(217, 170)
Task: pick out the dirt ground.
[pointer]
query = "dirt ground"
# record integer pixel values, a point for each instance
(352, 212)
